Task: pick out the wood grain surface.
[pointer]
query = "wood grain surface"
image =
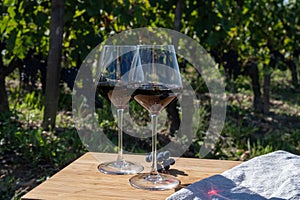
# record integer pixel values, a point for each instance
(81, 179)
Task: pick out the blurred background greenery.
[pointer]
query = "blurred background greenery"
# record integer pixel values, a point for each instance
(255, 44)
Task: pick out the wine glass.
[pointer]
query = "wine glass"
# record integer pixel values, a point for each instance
(159, 87)
(115, 84)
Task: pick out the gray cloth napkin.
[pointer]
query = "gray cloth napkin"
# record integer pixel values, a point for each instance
(274, 176)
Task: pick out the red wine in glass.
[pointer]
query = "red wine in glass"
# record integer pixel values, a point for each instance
(116, 62)
(154, 98)
(159, 84)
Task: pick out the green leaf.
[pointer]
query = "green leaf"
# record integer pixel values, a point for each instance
(79, 13)
(3, 23)
(11, 25)
(21, 9)
(20, 50)
(28, 41)
(11, 11)
(9, 2)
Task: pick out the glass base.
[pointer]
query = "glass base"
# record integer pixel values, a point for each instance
(146, 181)
(120, 167)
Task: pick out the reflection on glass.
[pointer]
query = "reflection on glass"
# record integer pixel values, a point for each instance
(159, 85)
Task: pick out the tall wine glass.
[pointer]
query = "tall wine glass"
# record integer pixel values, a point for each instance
(115, 84)
(160, 85)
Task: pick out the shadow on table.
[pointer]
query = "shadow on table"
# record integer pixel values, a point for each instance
(217, 187)
(176, 172)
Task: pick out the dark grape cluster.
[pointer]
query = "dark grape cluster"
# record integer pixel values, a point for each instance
(164, 161)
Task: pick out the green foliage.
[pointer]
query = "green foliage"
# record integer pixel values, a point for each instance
(23, 26)
(235, 136)
(22, 134)
(25, 145)
(259, 30)
(259, 149)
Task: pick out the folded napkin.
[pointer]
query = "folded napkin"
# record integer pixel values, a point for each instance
(274, 176)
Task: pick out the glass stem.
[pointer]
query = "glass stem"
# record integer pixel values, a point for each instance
(120, 135)
(154, 147)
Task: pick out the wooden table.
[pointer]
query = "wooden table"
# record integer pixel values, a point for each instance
(81, 179)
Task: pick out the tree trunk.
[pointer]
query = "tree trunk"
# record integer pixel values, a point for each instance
(5, 71)
(292, 67)
(252, 71)
(173, 113)
(54, 64)
(266, 97)
(4, 105)
(173, 116)
(178, 14)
